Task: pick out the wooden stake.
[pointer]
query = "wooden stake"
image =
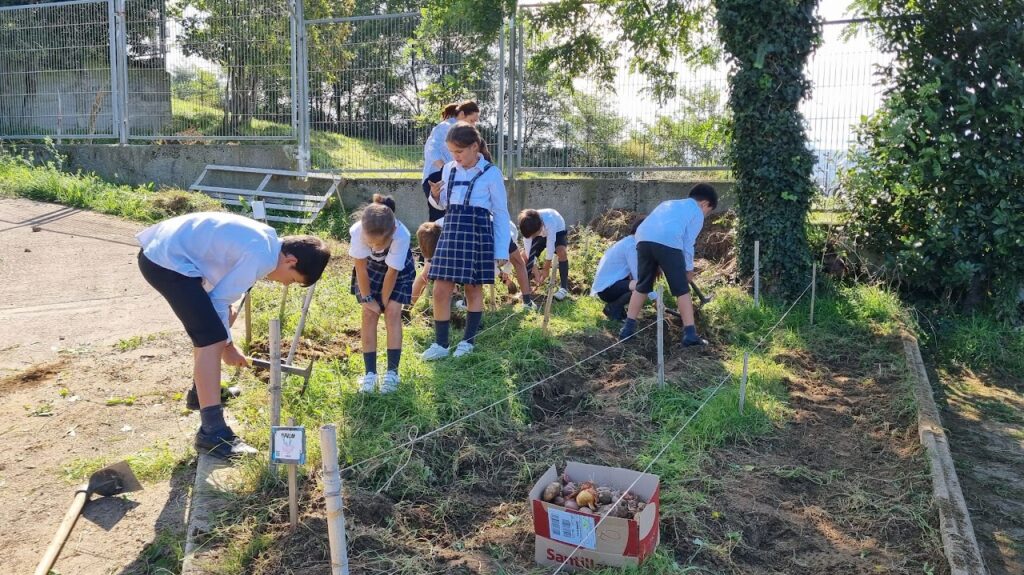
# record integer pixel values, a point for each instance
(275, 377)
(494, 298)
(293, 483)
(757, 273)
(248, 323)
(743, 380)
(284, 301)
(551, 294)
(660, 303)
(302, 324)
(814, 288)
(333, 497)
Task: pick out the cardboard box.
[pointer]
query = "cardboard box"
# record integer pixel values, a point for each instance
(615, 542)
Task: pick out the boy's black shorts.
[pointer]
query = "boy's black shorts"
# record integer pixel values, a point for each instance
(612, 293)
(652, 256)
(540, 242)
(188, 300)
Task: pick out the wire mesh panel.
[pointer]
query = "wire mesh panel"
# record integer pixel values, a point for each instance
(842, 70)
(616, 125)
(377, 85)
(209, 69)
(55, 77)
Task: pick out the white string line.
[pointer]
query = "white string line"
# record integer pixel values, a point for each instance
(500, 401)
(672, 439)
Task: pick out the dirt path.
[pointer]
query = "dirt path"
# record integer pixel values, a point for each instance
(71, 290)
(985, 417)
(70, 280)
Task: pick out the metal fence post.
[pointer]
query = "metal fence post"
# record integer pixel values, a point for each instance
(301, 88)
(522, 96)
(501, 97)
(510, 168)
(120, 111)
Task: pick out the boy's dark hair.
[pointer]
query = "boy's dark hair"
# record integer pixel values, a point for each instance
(529, 223)
(467, 107)
(450, 111)
(465, 135)
(427, 236)
(705, 192)
(636, 224)
(312, 255)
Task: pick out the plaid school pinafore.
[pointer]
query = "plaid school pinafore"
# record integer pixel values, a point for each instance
(465, 250)
(376, 269)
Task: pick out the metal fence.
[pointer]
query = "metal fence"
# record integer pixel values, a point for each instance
(359, 94)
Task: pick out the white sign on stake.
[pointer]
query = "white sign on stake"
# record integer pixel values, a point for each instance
(259, 210)
(288, 445)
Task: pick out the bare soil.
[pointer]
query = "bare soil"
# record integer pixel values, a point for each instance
(984, 413)
(71, 290)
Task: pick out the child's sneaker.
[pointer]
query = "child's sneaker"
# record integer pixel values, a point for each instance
(614, 313)
(561, 294)
(687, 342)
(368, 383)
(463, 348)
(434, 352)
(223, 445)
(389, 383)
(531, 306)
(460, 304)
(628, 330)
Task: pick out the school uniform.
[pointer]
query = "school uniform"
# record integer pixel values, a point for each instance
(513, 244)
(397, 256)
(665, 240)
(435, 148)
(476, 213)
(617, 267)
(203, 262)
(553, 226)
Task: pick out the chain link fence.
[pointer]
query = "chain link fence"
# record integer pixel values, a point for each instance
(360, 94)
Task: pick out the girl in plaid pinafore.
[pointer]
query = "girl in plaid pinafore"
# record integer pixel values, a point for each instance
(382, 282)
(473, 192)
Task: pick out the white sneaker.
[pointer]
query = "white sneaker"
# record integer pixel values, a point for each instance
(460, 304)
(390, 382)
(462, 349)
(531, 306)
(434, 352)
(368, 383)
(561, 294)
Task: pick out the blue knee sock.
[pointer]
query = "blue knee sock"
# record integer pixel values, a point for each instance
(472, 325)
(212, 417)
(441, 332)
(563, 273)
(394, 358)
(370, 361)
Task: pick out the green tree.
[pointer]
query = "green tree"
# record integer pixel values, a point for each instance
(938, 181)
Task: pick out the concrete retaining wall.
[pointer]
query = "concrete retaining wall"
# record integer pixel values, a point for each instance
(578, 200)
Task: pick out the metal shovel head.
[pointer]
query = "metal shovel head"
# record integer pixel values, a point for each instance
(113, 480)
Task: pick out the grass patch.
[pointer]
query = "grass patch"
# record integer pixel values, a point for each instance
(20, 177)
(156, 463)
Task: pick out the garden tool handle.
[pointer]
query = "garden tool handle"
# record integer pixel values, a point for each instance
(81, 496)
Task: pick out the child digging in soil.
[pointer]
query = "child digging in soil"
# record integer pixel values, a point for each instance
(473, 193)
(616, 276)
(201, 263)
(382, 281)
(426, 236)
(665, 241)
(537, 226)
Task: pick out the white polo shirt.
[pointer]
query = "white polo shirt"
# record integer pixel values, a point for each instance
(674, 223)
(617, 263)
(396, 253)
(552, 223)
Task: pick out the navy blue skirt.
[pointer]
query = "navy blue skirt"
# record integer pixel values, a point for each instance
(465, 250)
(402, 293)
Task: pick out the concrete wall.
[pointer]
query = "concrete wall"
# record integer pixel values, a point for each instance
(578, 200)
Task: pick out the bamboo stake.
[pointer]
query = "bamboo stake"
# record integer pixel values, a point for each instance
(293, 495)
(757, 273)
(814, 288)
(284, 301)
(333, 497)
(743, 380)
(661, 337)
(248, 323)
(551, 294)
(275, 377)
(302, 324)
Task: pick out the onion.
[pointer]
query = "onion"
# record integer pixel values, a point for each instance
(586, 498)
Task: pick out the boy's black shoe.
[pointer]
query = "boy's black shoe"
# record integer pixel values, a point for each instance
(614, 313)
(628, 330)
(694, 342)
(225, 445)
(226, 394)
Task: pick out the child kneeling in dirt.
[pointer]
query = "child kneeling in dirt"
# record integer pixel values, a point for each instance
(426, 236)
(382, 281)
(616, 276)
(202, 263)
(538, 227)
(665, 241)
